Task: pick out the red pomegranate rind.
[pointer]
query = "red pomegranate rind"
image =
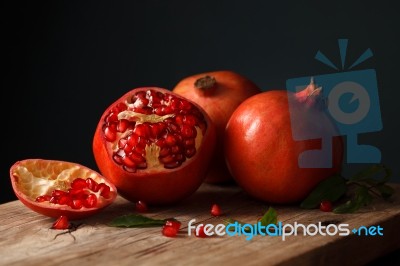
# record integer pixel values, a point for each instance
(43, 186)
(162, 137)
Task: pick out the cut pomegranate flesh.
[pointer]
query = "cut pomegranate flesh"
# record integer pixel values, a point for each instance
(152, 129)
(79, 195)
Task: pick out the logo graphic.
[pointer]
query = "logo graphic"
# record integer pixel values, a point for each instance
(353, 105)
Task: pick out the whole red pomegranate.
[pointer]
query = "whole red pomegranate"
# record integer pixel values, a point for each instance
(59, 188)
(219, 93)
(263, 155)
(154, 145)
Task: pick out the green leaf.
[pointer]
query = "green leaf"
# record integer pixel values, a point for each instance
(361, 198)
(368, 173)
(385, 190)
(136, 220)
(330, 189)
(270, 217)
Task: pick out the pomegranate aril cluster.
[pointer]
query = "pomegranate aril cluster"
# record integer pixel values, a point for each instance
(83, 193)
(174, 134)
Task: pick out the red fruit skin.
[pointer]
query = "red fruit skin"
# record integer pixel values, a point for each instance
(156, 188)
(230, 90)
(56, 211)
(262, 155)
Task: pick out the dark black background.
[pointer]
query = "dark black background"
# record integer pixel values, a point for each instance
(66, 61)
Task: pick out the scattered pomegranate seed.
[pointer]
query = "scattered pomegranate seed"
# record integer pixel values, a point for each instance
(215, 210)
(61, 223)
(169, 231)
(200, 232)
(173, 223)
(141, 206)
(326, 206)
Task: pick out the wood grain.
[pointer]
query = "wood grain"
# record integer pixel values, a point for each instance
(25, 237)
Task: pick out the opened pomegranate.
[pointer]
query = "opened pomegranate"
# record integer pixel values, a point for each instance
(219, 93)
(58, 188)
(262, 154)
(154, 145)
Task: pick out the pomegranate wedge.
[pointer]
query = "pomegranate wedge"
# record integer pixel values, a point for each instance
(58, 188)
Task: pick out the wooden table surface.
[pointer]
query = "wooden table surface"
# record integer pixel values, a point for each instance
(25, 237)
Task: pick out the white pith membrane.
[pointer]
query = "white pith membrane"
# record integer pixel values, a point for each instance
(36, 178)
(135, 118)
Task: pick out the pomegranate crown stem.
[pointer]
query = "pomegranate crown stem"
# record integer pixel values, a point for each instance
(312, 96)
(205, 84)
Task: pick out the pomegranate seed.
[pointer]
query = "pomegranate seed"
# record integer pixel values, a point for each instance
(159, 111)
(200, 232)
(112, 117)
(129, 170)
(76, 204)
(76, 193)
(53, 200)
(164, 151)
(170, 140)
(142, 130)
(61, 223)
(121, 107)
(137, 158)
(172, 127)
(179, 119)
(79, 183)
(169, 231)
(173, 223)
(174, 149)
(43, 198)
(122, 143)
(92, 185)
(189, 143)
(91, 201)
(173, 165)
(167, 159)
(188, 132)
(109, 134)
(58, 193)
(104, 190)
(141, 206)
(174, 104)
(185, 105)
(215, 210)
(133, 140)
(189, 152)
(123, 125)
(128, 162)
(190, 120)
(326, 206)
(64, 200)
